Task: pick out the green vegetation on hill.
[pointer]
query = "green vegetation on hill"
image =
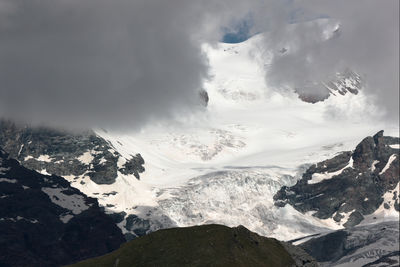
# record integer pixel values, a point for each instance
(207, 245)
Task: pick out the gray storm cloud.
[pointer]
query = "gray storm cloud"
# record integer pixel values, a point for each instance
(128, 62)
(99, 62)
(367, 41)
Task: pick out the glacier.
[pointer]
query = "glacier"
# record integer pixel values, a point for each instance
(224, 163)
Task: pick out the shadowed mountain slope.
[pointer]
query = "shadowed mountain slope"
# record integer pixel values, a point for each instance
(207, 245)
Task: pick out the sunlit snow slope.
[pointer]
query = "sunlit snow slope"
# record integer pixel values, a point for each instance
(225, 164)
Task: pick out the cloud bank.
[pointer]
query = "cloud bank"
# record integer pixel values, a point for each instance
(362, 35)
(99, 62)
(125, 63)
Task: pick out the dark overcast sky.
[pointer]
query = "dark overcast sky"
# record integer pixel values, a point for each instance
(127, 62)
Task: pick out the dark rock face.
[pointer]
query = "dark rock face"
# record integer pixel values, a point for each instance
(312, 93)
(133, 166)
(343, 83)
(65, 154)
(147, 220)
(204, 97)
(351, 182)
(330, 247)
(300, 256)
(117, 217)
(137, 225)
(356, 246)
(46, 222)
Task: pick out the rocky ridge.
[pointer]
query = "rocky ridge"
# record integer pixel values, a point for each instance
(72, 155)
(351, 185)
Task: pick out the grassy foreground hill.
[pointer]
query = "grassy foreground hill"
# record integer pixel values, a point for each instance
(207, 245)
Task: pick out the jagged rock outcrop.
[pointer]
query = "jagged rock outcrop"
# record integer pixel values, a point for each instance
(63, 153)
(46, 222)
(350, 185)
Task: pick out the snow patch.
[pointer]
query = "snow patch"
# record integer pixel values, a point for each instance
(387, 166)
(11, 181)
(45, 158)
(44, 172)
(121, 162)
(75, 203)
(66, 217)
(28, 158)
(319, 177)
(373, 165)
(103, 160)
(20, 149)
(86, 158)
(395, 146)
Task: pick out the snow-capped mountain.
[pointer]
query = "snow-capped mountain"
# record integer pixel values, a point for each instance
(223, 164)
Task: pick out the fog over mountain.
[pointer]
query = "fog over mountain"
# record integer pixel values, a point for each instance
(366, 40)
(126, 63)
(122, 118)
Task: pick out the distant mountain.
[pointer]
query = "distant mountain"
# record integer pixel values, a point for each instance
(351, 187)
(46, 222)
(207, 245)
(368, 245)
